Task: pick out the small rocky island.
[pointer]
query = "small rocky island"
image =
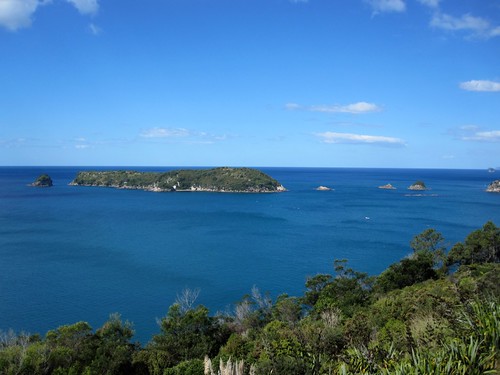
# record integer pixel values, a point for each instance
(419, 185)
(224, 179)
(494, 187)
(43, 180)
(387, 187)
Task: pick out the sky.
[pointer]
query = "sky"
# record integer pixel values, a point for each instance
(284, 83)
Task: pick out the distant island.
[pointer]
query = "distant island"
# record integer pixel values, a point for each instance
(43, 180)
(323, 188)
(387, 187)
(419, 185)
(224, 179)
(494, 187)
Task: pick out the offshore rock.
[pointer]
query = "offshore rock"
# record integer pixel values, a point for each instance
(387, 187)
(494, 187)
(43, 180)
(419, 185)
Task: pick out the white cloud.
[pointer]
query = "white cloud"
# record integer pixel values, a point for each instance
(292, 106)
(82, 147)
(332, 137)
(165, 133)
(354, 108)
(96, 30)
(479, 26)
(16, 14)
(89, 7)
(484, 136)
(430, 3)
(469, 127)
(495, 31)
(479, 85)
(380, 6)
(182, 135)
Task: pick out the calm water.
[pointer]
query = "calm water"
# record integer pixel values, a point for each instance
(78, 253)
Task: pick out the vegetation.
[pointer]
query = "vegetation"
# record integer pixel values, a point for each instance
(416, 317)
(418, 185)
(216, 179)
(43, 180)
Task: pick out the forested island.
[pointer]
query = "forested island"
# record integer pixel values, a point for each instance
(437, 311)
(43, 180)
(224, 179)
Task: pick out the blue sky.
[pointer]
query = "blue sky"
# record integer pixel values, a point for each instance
(319, 83)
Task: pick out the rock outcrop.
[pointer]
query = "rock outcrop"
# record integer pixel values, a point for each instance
(494, 187)
(43, 180)
(419, 185)
(387, 187)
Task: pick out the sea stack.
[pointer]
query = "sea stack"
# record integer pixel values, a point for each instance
(419, 185)
(43, 180)
(387, 186)
(494, 187)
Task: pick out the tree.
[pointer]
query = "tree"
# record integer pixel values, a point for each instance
(481, 246)
(426, 262)
(348, 291)
(113, 354)
(185, 335)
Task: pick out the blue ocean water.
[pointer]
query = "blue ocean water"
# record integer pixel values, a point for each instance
(78, 253)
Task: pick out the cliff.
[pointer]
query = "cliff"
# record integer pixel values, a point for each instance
(223, 179)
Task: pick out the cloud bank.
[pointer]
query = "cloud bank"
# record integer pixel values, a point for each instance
(354, 108)
(484, 136)
(176, 134)
(478, 26)
(479, 85)
(332, 137)
(87, 7)
(165, 133)
(381, 6)
(17, 14)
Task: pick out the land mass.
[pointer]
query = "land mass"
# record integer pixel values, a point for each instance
(419, 185)
(224, 179)
(42, 181)
(494, 187)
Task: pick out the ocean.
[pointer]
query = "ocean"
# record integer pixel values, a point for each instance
(71, 253)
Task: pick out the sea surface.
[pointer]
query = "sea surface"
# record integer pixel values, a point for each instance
(70, 253)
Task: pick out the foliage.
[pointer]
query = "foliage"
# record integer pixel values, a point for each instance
(215, 179)
(185, 335)
(43, 180)
(481, 246)
(426, 262)
(347, 291)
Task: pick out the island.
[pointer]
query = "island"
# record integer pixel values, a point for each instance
(419, 185)
(494, 187)
(223, 179)
(387, 187)
(43, 180)
(323, 188)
